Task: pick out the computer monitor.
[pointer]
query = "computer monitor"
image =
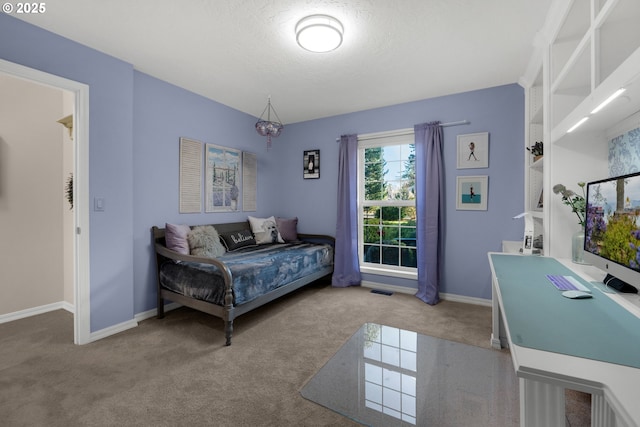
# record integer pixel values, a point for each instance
(612, 229)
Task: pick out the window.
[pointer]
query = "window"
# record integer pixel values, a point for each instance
(386, 204)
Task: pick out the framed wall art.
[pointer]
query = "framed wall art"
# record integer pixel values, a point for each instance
(249, 181)
(190, 176)
(473, 151)
(471, 193)
(311, 164)
(223, 175)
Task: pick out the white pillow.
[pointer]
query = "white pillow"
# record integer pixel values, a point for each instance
(204, 241)
(265, 230)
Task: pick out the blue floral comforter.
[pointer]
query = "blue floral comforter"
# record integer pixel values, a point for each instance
(255, 270)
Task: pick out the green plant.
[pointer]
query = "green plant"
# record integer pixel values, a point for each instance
(576, 202)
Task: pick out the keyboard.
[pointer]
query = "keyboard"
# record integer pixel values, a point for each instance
(567, 283)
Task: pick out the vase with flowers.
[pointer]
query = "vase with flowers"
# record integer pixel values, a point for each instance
(578, 204)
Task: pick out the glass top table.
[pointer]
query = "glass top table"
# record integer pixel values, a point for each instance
(385, 376)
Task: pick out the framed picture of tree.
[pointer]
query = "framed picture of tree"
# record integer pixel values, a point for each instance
(223, 176)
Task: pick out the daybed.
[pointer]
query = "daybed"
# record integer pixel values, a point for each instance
(239, 280)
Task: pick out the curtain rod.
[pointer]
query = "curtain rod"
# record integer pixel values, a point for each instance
(461, 122)
(402, 132)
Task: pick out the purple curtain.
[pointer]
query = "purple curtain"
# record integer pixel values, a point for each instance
(429, 209)
(346, 270)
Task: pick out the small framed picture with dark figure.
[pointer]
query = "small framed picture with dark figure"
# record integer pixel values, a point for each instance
(473, 151)
(472, 193)
(311, 163)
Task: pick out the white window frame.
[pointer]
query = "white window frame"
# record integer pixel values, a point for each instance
(398, 137)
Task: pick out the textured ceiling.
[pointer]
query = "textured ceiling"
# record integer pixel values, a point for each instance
(240, 52)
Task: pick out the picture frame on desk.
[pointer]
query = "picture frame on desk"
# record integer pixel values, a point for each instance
(472, 193)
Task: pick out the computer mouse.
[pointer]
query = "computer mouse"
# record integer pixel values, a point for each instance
(576, 294)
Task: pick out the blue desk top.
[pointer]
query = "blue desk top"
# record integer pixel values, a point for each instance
(539, 317)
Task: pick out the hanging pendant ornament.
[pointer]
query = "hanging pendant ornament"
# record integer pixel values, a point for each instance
(267, 127)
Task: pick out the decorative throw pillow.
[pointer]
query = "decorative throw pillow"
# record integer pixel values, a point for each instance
(238, 239)
(265, 230)
(175, 237)
(288, 228)
(204, 241)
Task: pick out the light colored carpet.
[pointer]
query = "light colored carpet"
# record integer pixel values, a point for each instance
(177, 371)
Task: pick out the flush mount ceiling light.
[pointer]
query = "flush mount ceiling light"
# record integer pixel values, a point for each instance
(319, 33)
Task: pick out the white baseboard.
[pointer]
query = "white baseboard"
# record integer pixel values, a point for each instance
(34, 311)
(390, 288)
(121, 327)
(63, 305)
(69, 307)
(467, 300)
(412, 291)
(111, 330)
(153, 312)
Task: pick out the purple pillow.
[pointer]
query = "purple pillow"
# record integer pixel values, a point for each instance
(288, 228)
(176, 237)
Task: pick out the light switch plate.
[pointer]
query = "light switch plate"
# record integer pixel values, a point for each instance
(98, 204)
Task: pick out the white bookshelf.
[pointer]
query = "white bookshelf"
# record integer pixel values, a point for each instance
(587, 50)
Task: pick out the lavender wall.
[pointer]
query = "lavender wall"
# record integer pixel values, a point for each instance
(469, 234)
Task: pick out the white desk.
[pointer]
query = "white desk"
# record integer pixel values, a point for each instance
(544, 375)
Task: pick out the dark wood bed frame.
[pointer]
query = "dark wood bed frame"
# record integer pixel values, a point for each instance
(229, 311)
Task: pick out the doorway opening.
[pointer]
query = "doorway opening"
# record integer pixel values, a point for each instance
(76, 98)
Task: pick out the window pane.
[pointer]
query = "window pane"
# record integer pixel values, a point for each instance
(400, 190)
(371, 214)
(371, 234)
(372, 254)
(408, 257)
(390, 214)
(408, 241)
(375, 190)
(374, 171)
(408, 215)
(392, 152)
(407, 151)
(390, 235)
(372, 221)
(391, 255)
(389, 172)
(408, 234)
